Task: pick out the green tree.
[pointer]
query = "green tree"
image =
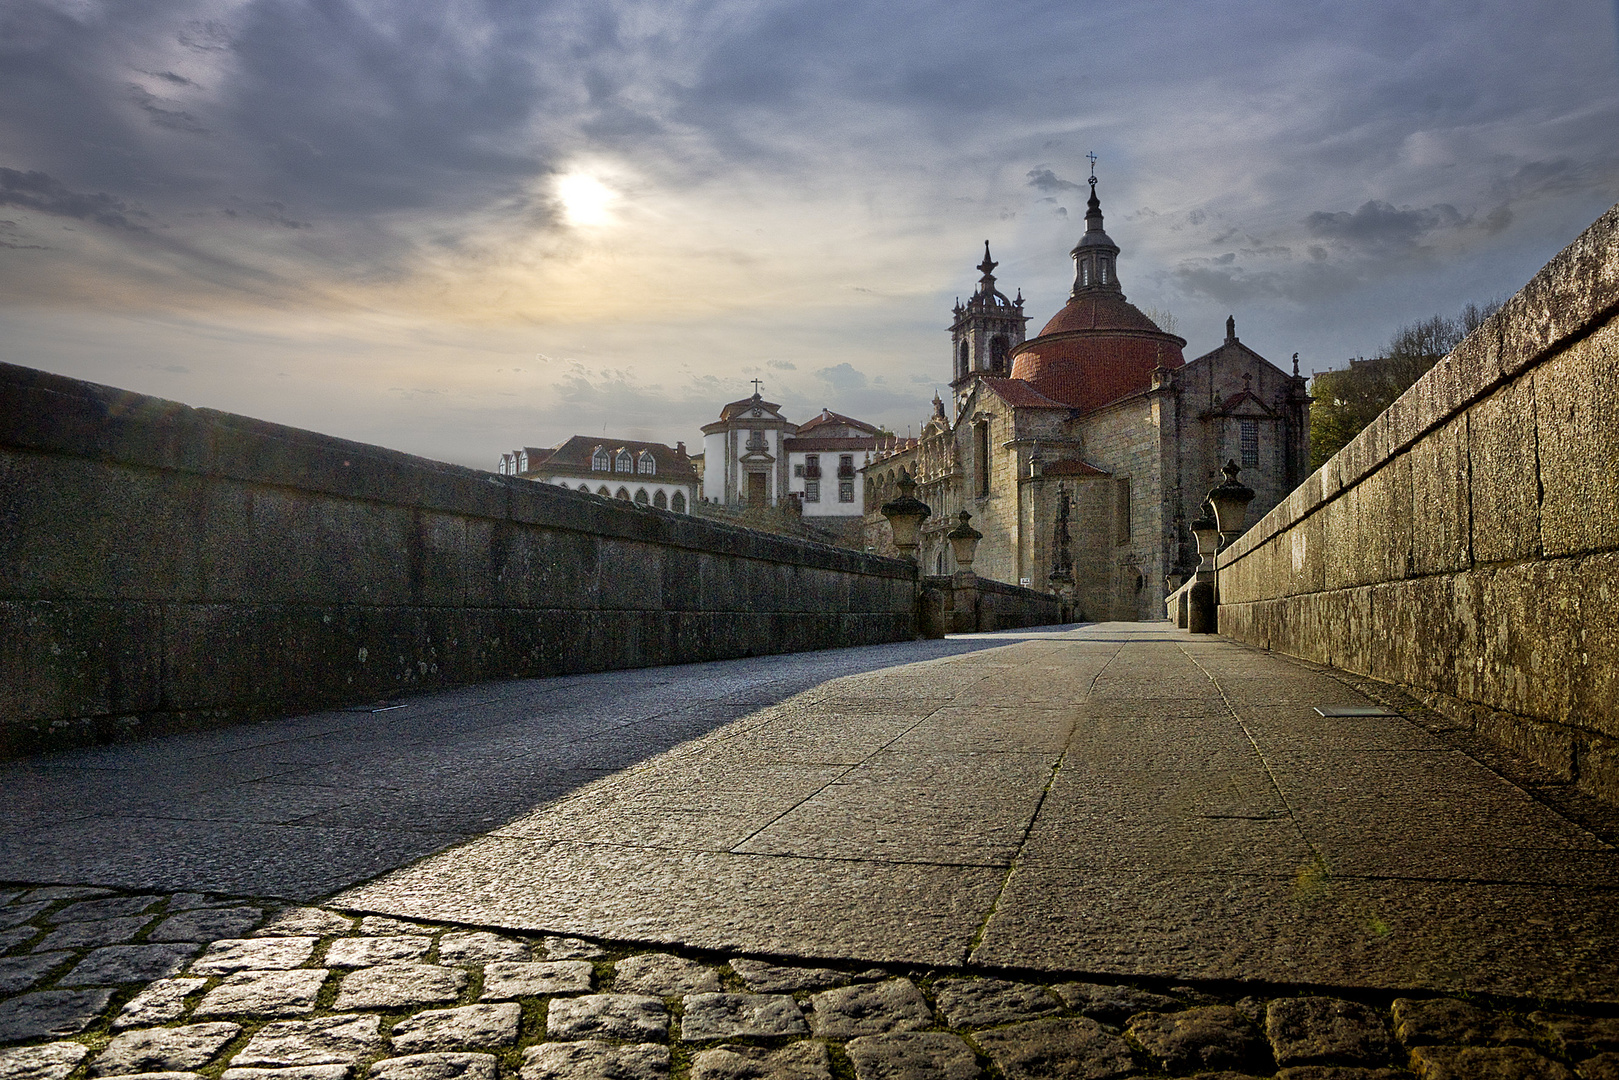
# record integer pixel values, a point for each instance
(1346, 400)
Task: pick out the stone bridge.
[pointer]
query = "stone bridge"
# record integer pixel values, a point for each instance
(452, 777)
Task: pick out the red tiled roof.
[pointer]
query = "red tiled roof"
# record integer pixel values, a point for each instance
(754, 402)
(827, 416)
(793, 443)
(1099, 310)
(1097, 349)
(1020, 394)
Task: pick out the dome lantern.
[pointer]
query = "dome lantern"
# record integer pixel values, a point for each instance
(1096, 255)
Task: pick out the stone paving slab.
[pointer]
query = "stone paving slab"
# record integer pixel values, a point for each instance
(795, 906)
(1186, 845)
(1172, 837)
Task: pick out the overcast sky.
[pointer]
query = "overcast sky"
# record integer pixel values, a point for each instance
(455, 227)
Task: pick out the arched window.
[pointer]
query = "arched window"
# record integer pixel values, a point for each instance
(997, 354)
(646, 464)
(623, 493)
(961, 362)
(1102, 270)
(641, 497)
(660, 500)
(679, 503)
(585, 488)
(625, 462)
(599, 461)
(603, 492)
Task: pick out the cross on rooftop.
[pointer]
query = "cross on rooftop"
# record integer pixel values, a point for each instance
(1092, 156)
(756, 384)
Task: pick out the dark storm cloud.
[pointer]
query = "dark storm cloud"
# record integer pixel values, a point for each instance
(162, 116)
(842, 377)
(1046, 180)
(1379, 224)
(36, 191)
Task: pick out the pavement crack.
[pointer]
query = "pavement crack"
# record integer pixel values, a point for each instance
(1270, 773)
(1017, 855)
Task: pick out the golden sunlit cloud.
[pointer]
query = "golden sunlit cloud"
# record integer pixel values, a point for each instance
(585, 199)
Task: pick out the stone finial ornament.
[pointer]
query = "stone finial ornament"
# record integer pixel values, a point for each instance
(905, 515)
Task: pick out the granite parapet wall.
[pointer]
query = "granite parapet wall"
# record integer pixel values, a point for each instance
(1465, 546)
(164, 567)
(953, 605)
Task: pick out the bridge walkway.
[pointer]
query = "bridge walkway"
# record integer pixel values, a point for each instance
(1120, 800)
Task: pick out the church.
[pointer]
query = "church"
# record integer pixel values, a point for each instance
(1084, 453)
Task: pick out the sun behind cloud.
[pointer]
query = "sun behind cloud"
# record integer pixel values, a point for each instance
(585, 199)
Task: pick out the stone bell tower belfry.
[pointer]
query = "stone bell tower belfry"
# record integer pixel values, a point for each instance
(985, 331)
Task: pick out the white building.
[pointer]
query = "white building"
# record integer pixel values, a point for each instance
(648, 473)
(755, 456)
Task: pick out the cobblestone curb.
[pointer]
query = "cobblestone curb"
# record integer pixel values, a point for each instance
(185, 986)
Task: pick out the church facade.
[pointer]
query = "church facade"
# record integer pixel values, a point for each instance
(1084, 453)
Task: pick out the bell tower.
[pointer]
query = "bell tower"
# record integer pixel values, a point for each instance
(985, 331)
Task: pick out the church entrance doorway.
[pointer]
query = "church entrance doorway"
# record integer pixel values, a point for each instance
(757, 494)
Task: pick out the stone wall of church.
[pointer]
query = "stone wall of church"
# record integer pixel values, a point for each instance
(1123, 440)
(1207, 439)
(1465, 546)
(996, 514)
(163, 567)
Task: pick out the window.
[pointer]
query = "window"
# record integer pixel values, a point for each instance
(981, 438)
(646, 464)
(812, 466)
(1250, 443)
(679, 503)
(625, 462)
(600, 461)
(585, 488)
(846, 491)
(997, 354)
(623, 493)
(660, 500)
(603, 492)
(961, 362)
(798, 471)
(812, 491)
(642, 497)
(1121, 490)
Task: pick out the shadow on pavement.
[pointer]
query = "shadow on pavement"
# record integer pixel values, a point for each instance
(301, 807)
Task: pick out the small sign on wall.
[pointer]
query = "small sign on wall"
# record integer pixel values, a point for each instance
(1023, 581)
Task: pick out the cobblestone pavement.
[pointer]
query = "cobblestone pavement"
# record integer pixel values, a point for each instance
(1103, 851)
(99, 983)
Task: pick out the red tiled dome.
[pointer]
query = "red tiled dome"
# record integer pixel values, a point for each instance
(1097, 349)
